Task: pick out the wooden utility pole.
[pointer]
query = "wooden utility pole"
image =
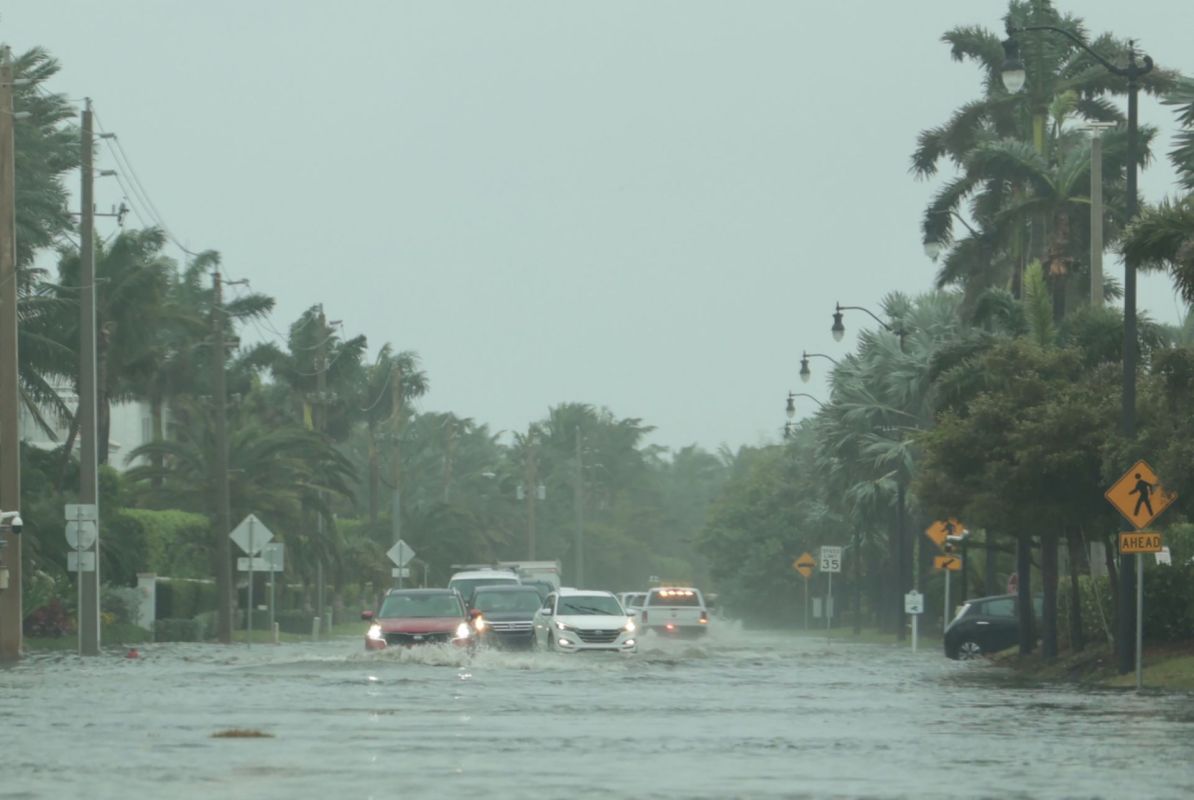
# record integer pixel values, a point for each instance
(531, 493)
(89, 445)
(318, 414)
(10, 394)
(223, 503)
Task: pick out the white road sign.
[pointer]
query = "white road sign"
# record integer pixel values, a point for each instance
(914, 603)
(401, 554)
(251, 535)
(400, 572)
(259, 564)
(275, 554)
(81, 535)
(86, 559)
(831, 559)
(77, 511)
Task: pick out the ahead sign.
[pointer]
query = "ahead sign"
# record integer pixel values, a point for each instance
(1140, 542)
(831, 559)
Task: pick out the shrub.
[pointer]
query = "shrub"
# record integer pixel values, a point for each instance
(1168, 603)
(208, 622)
(177, 630)
(294, 621)
(51, 620)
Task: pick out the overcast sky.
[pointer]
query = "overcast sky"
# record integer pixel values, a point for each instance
(650, 206)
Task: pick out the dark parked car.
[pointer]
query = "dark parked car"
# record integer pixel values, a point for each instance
(985, 625)
(502, 615)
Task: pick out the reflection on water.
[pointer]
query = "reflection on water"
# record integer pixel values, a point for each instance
(739, 714)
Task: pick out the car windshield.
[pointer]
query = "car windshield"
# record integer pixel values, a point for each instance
(468, 586)
(507, 602)
(674, 597)
(421, 605)
(590, 605)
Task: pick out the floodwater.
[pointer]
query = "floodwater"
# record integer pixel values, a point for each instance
(740, 714)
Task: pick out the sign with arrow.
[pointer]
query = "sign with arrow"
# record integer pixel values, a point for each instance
(1139, 495)
(951, 563)
(805, 565)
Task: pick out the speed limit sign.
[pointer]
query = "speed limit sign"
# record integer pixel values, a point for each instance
(831, 559)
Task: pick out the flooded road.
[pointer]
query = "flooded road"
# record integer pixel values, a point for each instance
(739, 715)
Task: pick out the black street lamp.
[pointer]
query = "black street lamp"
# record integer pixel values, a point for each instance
(790, 410)
(1014, 77)
(839, 330)
(934, 248)
(805, 372)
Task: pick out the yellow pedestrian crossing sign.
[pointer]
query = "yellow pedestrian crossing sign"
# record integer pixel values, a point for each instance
(1139, 495)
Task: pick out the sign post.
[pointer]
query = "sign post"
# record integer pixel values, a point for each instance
(805, 565)
(251, 535)
(401, 554)
(831, 562)
(914, 604)
(82, 529)
(1141, 498)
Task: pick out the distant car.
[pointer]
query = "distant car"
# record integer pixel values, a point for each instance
(675, 611)
(504, 616)
(576, 620)
(985, 625)
(632, 601)
(467, 582)
(409, 617)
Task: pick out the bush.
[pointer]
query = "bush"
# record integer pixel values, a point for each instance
(1168, 603)
(122, 602)
(51, 620)
(209, 623)
(185, 597)
(177, 630)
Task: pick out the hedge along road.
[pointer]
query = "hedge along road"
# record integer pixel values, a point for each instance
(740, 714)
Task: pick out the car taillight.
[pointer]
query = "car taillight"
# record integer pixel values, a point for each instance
(644, 616)
(671, 627)
(704, 617)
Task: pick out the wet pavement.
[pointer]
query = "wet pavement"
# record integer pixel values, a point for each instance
(740, 714)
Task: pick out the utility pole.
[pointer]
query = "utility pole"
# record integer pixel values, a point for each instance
(223, 504)
(89, 581)
(1096, 211)
(395, 460)
(321, 383)
(11, 617)
(580, 515)
(530, 491)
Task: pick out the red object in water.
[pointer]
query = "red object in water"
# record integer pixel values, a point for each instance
(132, 653)
(1013, 583)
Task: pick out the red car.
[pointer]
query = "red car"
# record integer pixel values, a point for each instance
(418, 616)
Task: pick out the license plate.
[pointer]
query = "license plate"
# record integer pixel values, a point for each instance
(417, 637)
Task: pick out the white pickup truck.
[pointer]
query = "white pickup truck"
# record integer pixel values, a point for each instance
(674, 611)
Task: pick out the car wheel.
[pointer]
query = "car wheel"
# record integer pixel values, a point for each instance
(969, 650)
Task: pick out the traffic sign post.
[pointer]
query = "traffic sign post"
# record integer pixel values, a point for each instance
(251, 535)
(82, 532)
(805, 565)
(951, 564)
(275, 554)
(914, 605)
(831, 562)
(1141, 498)
(401, 554)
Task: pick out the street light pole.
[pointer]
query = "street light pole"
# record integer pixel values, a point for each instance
(1014, 76)
(805, 372)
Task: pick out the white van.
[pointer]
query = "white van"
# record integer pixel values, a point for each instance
(466, 583)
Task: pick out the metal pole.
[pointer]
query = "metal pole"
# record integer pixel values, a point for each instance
(806, 604)
(915, 630)
(11, 615)
(580, 515)
(1139, 622)
(945, 610)
(272, 611)
(401, 569)
(249, 617)
(89, 606)
(828, 605)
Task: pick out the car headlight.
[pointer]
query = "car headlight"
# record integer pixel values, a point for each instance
(629, 626)
(462, 631)
(375, 633)
(479, 623)
(562, 627)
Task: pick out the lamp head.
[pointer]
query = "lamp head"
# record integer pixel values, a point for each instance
(805, 373)
(838, 330)
(791, 409)
(1012, 72)
(933, 249)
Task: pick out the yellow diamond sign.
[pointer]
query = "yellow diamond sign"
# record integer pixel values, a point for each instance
(805, 565)
(1139, 495)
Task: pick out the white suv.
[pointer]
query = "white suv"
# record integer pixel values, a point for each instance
(572, 620)
(675, 611)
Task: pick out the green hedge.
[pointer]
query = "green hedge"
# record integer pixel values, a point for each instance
(179, 598)
(178, 630)
(175, 543)
(294, 621)
(1168, 606)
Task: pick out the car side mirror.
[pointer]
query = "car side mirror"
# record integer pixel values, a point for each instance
(366, 615)
(546, 611)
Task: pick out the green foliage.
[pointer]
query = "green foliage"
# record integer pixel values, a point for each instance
(1168, 603)
(170, 542)
(178, 598)
(1098, 613)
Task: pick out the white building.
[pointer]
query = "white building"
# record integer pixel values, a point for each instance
(131, 426)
